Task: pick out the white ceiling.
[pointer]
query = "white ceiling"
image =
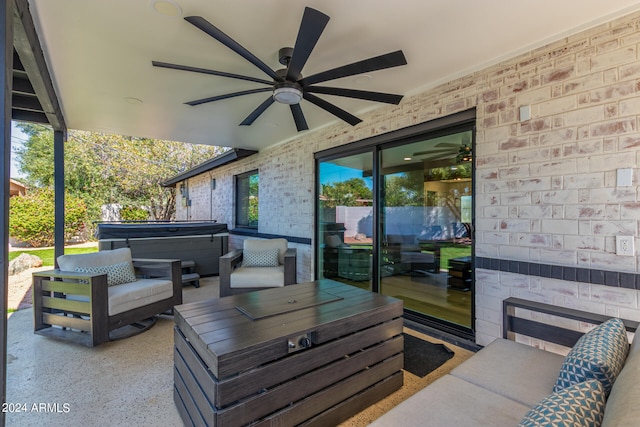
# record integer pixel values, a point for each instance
(100, 51)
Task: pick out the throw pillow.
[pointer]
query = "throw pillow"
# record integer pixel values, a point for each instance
(265, 258)
(599, 354)
(580, 405)
(117, 274)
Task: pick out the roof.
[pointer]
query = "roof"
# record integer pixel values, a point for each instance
(218, 161)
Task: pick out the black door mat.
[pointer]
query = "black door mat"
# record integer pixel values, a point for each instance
(422, 357)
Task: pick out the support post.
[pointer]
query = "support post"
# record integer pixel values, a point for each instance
(59, 138)
(6, 77)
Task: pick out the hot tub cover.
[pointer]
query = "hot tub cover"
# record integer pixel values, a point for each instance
(167, 229)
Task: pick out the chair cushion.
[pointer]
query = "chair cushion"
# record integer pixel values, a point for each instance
(265, 258)
(262, 244)
(599, 354)
(143, 292)
(117, 274)
(581, 404)
(257, 277)
(94, 259)
(333, 241)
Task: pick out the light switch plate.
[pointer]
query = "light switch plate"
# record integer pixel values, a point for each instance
(625, 177)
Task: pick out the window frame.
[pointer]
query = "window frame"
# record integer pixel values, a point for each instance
(242, 186)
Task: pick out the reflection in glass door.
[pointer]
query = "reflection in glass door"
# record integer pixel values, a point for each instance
(425, 227)
(345, 214)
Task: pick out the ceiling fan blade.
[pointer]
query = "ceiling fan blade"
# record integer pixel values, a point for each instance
(388, 98)
(430, 152)
(217, 34)
(336, 111)
(256, 113)
(228, 95)
(298, 117)
(388, 60)
(206, 71)
(311, 28)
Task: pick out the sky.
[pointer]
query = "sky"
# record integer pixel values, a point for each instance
(17, 138)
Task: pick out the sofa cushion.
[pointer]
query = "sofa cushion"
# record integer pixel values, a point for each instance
(257, 277)
(599, 354)
(265, 258)
(581, 404)
(451, 401)
(498, 367)
(117, 274)
(143, 292)
(623, 409)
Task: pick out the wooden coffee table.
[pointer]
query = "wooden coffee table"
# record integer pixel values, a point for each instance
(313, 353)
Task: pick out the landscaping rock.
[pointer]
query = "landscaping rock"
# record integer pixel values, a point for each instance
(24, 262)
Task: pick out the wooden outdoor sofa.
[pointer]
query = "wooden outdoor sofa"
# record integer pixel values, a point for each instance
(509, 383)
(93, 297)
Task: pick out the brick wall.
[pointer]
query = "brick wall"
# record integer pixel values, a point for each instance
(545, 188)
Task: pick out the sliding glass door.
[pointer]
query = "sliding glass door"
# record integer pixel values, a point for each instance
(396, 218)
(425, 227)
(345, 213)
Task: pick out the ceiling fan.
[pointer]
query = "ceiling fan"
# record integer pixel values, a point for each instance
(288, 85)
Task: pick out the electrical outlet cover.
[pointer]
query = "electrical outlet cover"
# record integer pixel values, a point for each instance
(624, 245)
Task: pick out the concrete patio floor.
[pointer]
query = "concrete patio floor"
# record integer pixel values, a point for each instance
(127, 382)
(122, 383)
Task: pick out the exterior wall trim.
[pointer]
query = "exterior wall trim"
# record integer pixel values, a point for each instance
(560, 272)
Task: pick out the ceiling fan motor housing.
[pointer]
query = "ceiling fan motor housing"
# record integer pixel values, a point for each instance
(284, 55)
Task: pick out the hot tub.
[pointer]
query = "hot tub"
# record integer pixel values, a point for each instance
(201, 242)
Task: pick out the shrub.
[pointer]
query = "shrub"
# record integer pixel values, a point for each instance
(31, 217)
(132, 213)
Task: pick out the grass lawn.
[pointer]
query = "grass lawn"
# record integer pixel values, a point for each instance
(448, 252)
(47, 255)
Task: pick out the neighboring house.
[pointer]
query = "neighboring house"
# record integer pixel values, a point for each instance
(17, 188)
(556, 143)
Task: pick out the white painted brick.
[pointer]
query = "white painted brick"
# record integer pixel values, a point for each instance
(583, 116)
(514, 252)
(558, 257)
(615, 296)
(584, 243)
(556, 226)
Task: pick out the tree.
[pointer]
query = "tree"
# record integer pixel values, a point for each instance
(404, 189)
(103, 168)
(352, 192)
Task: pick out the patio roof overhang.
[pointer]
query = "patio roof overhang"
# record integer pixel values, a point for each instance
(33, 98)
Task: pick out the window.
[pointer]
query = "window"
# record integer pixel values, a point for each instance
(247, 200)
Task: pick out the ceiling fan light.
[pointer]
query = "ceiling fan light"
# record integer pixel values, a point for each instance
(167, 8)
(287, 95)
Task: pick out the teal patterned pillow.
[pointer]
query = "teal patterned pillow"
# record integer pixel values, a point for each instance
(264, 258)
(599, 354)
(117, 274)
(580, 405)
